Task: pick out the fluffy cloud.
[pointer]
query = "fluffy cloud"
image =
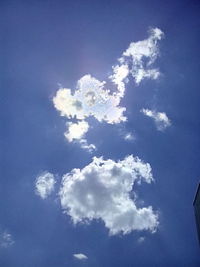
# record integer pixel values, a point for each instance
(160, 118)
(90, 99)
(76, 130)
(101, 190)
(6, 240)
(80, 256)
(44, 184)
(137, 60)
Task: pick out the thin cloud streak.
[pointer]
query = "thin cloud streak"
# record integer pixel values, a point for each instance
(160, 118)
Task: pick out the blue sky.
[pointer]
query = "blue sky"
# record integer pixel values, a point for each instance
(49, 214)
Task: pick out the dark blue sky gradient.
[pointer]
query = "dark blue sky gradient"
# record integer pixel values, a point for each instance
(44, 43)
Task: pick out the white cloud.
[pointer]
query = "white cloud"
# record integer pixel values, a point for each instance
(119, 77)
(160, 118)
(89, 147)
(80, 256)
(101, 190)
(137, 60)
(90, 99)
(6, 239)
(44, 184)
(76, 130)
(141, 74)
(129, 137)
(146, 48)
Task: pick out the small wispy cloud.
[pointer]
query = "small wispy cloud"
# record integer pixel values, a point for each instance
(89, 147)
(80, 256)
(6, 239)
(44, 184)
(129, 137)
(160, 118)
(141, 239)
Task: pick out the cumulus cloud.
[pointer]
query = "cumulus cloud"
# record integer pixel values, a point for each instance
(137, 60)
(101, 190)
(6, 239)
(90, 99)
(80, 256)
(93, 98)
(160, 118)
(44, 184)
(76, 130)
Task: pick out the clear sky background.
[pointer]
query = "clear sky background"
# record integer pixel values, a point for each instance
(46, 45)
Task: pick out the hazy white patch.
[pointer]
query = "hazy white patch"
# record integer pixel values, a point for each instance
(129, 137)
(101, 190)
(141, 239)
(44, 184)
(76, 130)
(137, 60)
(160, 118)
(90, 99)
(80, 256)
(6, 239)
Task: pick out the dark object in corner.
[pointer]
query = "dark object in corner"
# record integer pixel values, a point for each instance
(196, 205)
